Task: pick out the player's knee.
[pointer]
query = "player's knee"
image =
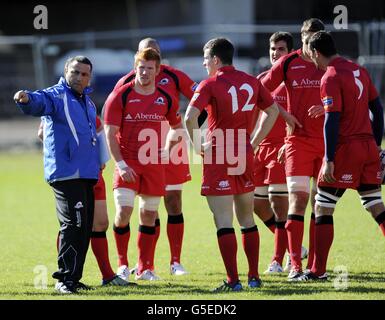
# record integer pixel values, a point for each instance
(280, 207)
(173, 202)
(278, 197)
(298, 202)
(100, 225)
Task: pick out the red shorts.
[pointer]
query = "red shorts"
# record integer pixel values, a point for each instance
(304, 156)
(267, 169)
(355, 163)
(177, 173)
(178, 170)
(216, 180)
(150, 179)
(100, 188)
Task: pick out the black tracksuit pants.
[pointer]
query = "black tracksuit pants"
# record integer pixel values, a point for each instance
(75, 212)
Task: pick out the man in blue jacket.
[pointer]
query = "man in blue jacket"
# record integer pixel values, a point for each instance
(71, 162)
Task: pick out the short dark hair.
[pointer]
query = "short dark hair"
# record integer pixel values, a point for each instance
(312, 25)
(283, 36)
(323, 42)
(222, 48)
(80, 59)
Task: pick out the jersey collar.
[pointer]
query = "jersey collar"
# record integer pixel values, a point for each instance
(225, 69)
(335, 61)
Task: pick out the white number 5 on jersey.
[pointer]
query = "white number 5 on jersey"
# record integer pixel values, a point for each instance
(356, 74)
(234, 97)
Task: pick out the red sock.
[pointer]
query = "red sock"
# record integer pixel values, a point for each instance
(99, 247)
(280, 242)
(156, 237)
(324, 233)
(310, 256)
(294, 229)
(270, 223)
(381, 221)
(122, 236)
(228, 246)
(145, 245)
(175, 229)
(250, 241)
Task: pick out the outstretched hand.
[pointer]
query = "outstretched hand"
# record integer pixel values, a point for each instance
(21, 97)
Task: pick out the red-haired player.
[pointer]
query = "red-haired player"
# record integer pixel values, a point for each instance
(174, 82)
(134, 114)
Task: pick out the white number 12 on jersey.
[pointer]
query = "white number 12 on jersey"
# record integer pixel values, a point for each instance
(234, 97)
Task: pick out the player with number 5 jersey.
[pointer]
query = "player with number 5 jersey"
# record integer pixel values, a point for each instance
(352, 143)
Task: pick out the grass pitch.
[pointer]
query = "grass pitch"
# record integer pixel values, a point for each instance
(29, 226)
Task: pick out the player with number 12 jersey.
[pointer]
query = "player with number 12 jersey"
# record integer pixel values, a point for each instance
(232, 99)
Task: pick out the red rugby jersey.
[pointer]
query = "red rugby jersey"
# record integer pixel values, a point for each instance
(302, 80)
(346, 87)
(278, 132)
(232, 99)
(134, 112)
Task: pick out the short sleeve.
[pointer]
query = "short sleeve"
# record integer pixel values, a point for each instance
(113, 109)
(173, 117)
(202, 96)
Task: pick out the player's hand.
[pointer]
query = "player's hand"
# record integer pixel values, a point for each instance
(21, 97)
(102, 167)
(328, 172)
(316, 111)
(127, 174)
(291, 123)
(164, 155)
(205, 147)
(281, 157)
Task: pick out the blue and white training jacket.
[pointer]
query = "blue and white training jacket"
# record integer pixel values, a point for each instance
(70, 144)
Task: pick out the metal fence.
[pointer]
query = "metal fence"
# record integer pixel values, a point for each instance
(30, 62)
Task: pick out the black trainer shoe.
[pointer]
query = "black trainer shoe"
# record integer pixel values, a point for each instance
(226, 287)
(310, 276)
(294, 275)
(117, 281)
